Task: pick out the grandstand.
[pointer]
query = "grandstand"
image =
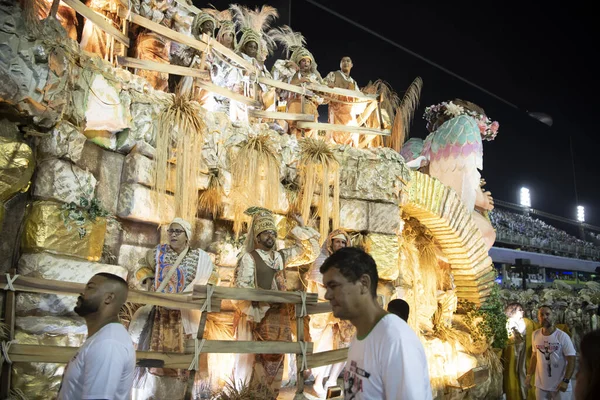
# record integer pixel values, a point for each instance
(553, 253)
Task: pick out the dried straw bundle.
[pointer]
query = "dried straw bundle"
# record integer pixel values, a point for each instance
(255, 173)
(211, 200)
(179, 138)
(244, 391)
(317, 165)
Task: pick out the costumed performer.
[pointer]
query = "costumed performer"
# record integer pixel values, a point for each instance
(262, 266)
(173, 268)
(517, 353)
(343, 109)
(299, 69)
(252, 24)
(326, 331)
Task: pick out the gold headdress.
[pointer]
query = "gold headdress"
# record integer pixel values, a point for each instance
(262, 220)
(252, 24)
(200, 18)
(293, 42)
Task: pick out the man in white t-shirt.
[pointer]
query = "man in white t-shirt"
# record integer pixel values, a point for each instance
(552, 360)
(386, 360)
(103, 367)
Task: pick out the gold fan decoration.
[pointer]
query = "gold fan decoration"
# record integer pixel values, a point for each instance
(179, 140)
(319, 165)
(255, 173)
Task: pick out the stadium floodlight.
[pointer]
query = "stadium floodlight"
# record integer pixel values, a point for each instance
(525, 198)
(580, 214)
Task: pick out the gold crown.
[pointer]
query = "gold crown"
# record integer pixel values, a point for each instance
(264, 222)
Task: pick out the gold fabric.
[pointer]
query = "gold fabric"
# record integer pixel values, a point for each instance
(268, 368)
(16, 167)
(385, 249)
(45, 230)
(294, 106)
(144, 273)
(516, 357)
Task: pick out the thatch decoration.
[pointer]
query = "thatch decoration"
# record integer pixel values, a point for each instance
(319, 165)
(255, 173)
(211, 200)
(179, 140)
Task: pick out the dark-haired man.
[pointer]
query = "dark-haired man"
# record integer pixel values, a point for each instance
(386, 360)
(554, 352)
(103, 367)
(400, 308)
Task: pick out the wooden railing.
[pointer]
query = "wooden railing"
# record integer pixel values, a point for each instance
(206, 44)
(207, 298)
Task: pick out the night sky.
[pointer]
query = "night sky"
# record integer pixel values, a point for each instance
(537, 57)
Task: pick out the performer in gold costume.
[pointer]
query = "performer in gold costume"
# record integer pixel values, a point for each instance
(518, 353)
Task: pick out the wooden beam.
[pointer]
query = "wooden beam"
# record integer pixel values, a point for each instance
(248, 347)
(319, 308)
(341, 92)
(232, 55)
(160, 29)
(186, 71)
(343, 128)
(9, 319)
(326, 358)
(54, 8)
(282, 115)
(299, 357)
(285, 86)
(268, 296)
(47, 286)
(97, 20)
(162, 67)
(63, 354)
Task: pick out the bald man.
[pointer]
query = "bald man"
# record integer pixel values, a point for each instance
(103, 367)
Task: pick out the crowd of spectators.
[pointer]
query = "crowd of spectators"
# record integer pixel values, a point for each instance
(538, 236)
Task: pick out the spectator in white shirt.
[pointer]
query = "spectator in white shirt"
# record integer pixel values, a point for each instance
(104, 365)
(386, 360)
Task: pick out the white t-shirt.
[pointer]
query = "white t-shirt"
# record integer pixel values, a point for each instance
(102, 368)
(388, 364)
(551, 358)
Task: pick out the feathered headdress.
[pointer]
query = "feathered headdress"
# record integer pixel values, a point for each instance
(293, 43)
(253, 23)
(225, 22)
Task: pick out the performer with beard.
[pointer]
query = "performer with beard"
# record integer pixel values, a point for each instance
(262, 266)
(104, 365)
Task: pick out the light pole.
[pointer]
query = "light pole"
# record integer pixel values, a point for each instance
(581, 219)
(525, 200)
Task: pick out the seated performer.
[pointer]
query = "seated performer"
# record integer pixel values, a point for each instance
(262, 266)
(300, 69)
(343, 109)
(167, 328)
(326, 331)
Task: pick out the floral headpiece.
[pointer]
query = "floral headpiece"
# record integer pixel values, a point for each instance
(487, 128)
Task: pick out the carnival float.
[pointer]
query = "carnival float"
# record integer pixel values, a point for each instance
(158, 110)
